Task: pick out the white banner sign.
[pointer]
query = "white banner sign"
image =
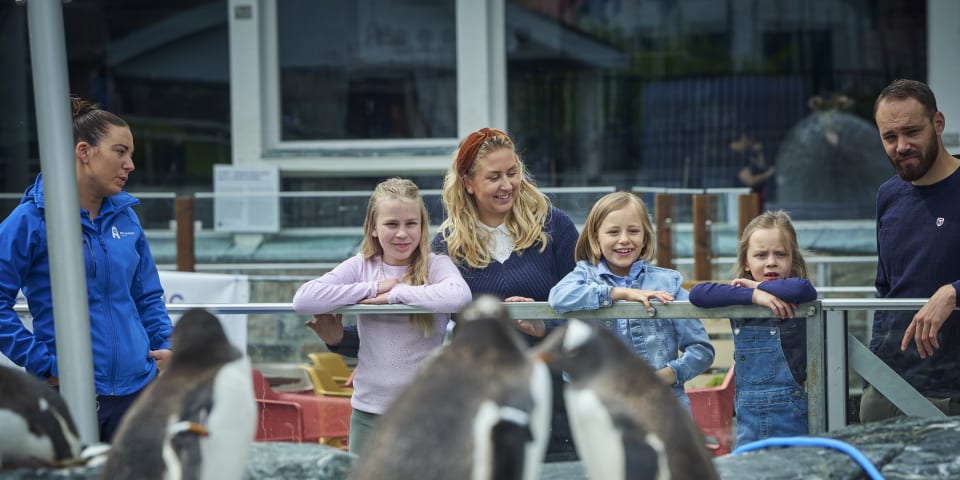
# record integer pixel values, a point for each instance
(204, 288)
(194, 288)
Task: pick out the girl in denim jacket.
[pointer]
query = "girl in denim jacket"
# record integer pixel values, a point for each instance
(615, 244)
(770, 353)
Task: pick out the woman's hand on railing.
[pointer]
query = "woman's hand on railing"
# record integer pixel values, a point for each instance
(328, 326)
(534, 328)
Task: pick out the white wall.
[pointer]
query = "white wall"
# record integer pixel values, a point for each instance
(943, 64)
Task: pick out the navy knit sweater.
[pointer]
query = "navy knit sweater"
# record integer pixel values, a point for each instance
(529, 274)
(918, 234)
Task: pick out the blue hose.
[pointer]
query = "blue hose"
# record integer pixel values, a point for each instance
(844, 447)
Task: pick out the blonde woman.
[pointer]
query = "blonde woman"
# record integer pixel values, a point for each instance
(500, 230)
(507, 240)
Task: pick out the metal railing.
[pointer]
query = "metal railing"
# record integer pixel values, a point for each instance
(831, 350)
(821, 268)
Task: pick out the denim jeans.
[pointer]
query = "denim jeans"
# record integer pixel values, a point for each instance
(361, 423)
(769, 402)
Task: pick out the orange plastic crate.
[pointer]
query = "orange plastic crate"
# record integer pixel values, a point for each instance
(712, 410)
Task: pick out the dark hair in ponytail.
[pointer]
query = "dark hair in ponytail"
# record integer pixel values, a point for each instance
(90, 122)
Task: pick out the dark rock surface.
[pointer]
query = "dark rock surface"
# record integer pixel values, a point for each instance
(291, 461)
(267, 461)
(73, 473)
(900, 448)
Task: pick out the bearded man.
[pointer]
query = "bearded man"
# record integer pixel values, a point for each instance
(918, 235)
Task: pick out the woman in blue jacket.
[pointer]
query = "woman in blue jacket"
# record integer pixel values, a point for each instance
(130, 327)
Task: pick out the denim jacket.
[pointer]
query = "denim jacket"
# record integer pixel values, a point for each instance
(658, 340)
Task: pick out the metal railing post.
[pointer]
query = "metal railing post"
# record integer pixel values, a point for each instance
(816, 379)
(67, 276)
(836, 368)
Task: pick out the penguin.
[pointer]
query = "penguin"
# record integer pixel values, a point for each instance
(626, 423)
(38, 430)
(478, 408)
(196, 420)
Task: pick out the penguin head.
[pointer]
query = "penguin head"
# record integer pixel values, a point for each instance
(199, 336)
(485, 319)
(36, 423)
(484, 307)
(578, 348)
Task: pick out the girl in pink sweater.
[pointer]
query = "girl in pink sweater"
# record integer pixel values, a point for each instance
(394, 266)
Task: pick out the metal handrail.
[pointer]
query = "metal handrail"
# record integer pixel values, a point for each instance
(542, 310)
(831, 350)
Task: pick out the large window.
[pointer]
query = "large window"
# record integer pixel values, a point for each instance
(658, 94)
(371, 69)
(163, 67)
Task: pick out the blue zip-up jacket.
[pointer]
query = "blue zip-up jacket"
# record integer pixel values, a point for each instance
(658, 340)
(128, 317)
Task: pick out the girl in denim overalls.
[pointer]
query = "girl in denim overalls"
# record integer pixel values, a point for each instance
(611, 253)
(770, 353)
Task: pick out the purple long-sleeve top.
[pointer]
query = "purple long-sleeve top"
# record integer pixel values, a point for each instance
(712, 294)
(793, 290)
(391, 349)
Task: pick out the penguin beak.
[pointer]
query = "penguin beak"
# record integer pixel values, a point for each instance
(550, 349)
(187, 426)
(545, 357)
(198, 429)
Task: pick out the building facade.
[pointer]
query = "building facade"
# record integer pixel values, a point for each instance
(337, 94)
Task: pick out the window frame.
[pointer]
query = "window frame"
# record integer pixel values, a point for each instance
(254, 74)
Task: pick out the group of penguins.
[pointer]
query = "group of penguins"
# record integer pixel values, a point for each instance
(478, 408)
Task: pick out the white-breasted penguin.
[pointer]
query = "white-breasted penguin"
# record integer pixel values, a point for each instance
(479, 408)
(36, 424)
(197, 419)
(626, 422)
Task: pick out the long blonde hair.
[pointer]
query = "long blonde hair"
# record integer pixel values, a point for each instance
(766, 220)
(588, 245)
(418, 273)
(466, 244)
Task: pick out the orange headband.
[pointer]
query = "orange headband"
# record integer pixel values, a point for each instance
(471, 145)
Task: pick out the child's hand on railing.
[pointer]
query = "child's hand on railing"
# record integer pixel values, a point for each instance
(638, 295)
(780, 308)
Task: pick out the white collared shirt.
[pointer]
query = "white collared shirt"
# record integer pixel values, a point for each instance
(500, 242)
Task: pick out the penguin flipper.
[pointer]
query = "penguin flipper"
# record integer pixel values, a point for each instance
(66, 442)
(645, 456)
(53, 421)
(509, 440)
